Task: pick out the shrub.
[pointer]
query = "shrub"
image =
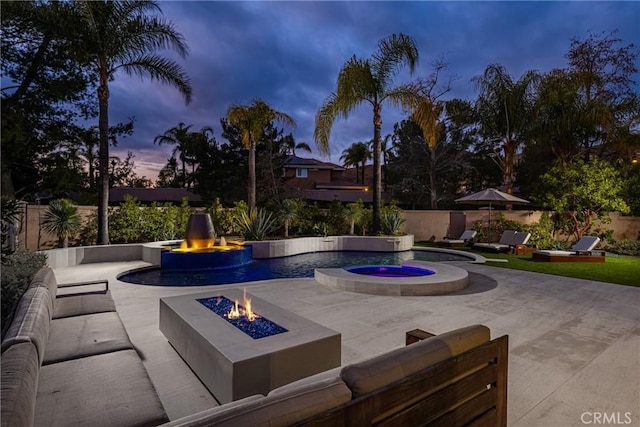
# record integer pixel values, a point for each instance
(61, 218)
(625, 247)
(336, 217)
(17, 271)
(541, 233)
(10, 216)
(390, 223)
(221, 217)
(321, 229)
(256, 224)
(391, 220)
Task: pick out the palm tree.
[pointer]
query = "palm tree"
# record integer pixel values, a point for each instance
(251, 121)
(179, 136)
(370, 81)
(61, 219)
(290, 145)
(120, 35)
(355, 155)
(504, 109)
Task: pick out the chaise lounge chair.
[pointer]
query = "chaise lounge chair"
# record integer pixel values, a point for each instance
(582, 251)
(508, 240)
(461, 241)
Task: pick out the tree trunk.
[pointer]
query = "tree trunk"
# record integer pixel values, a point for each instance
(377, 183)
(433, 190)
(103, 155)
(286, 228)
(252, 175)
(352, 228)
(363, 165)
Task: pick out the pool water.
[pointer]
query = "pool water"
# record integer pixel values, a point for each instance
(302, 265)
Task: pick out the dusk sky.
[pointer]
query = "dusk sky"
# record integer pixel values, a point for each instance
(290, 53)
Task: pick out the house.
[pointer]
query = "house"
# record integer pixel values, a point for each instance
(150, 195)
(315, 180)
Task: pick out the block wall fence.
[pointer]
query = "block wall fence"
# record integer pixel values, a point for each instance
(423, 224)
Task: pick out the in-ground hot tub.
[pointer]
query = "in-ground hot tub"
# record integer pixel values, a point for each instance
(410, 278)
(390, 271)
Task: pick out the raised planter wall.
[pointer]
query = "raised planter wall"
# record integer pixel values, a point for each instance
(280, 248)
(150, 252)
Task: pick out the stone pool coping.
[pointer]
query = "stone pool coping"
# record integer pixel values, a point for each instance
(447, 279)
(151, 252)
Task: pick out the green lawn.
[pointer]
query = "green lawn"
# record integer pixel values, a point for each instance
(623, 270)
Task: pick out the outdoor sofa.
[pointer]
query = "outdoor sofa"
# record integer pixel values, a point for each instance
(508, 241)
(94, 377)
(582, 251)
(463, 240)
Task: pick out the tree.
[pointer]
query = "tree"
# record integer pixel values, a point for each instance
(355, 155)
(251, 121)
(590, 107)
(290, 145)
(43, 88)
(504, 110)
(121, 35)
(370, 81)
(581, 192)
(179, 136)
(354, 214)
(289, 210)
(61, 218)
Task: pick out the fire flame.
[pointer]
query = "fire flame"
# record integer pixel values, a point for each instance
(236, 312)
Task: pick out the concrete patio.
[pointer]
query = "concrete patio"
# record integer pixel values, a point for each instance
(574, 344)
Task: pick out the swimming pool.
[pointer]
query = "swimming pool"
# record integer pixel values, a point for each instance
(302, 265)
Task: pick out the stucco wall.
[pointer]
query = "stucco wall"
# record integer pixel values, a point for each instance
(423, 224)
(428, 225)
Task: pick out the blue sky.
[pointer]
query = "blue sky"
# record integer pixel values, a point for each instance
(290, 53)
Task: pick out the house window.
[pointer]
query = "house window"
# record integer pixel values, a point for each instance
(301, 173)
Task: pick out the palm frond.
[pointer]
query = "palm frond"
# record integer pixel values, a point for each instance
(394, 52)
(405, 96)
(161, 69)
(355, 84)
(325, 117)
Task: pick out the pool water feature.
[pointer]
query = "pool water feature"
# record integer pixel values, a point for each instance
(302, 265)
(390, 271)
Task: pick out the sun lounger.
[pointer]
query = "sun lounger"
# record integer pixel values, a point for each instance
(582, 251)
(508, 240)
(461, 241)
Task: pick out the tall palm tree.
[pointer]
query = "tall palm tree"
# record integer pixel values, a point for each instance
(427, 117)
(504, 109)
(370, 81)
(289, 144)
(179, 136)
(251, 121)
(61, 218)
(122, 35)
(355, 155)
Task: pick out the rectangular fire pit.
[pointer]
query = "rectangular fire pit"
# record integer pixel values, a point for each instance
(233, 365)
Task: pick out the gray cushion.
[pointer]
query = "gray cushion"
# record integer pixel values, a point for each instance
(377, 372)
(78, 305)
(18, 385)
(279, 408)
(31, 321)
(105, 390)
(46, 278)
(81, 336)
